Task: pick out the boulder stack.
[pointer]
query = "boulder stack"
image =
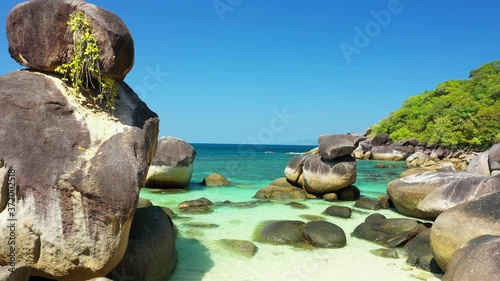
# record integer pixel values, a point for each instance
(77, 168)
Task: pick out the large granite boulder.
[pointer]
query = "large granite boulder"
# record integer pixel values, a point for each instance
(335, 146)
(293, 170)
(416, 160)
(458, 225)
(324, 176)
(39, 36)
(78, 173)
(151, 254)
(407, 192)
(457, 192)
(479, 165)
(392, 152)
(281, 189)
(478, 260)
(494, 159)
(172, 165)
(381, 139)
(420, 254)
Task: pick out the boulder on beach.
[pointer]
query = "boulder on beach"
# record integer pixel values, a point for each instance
(392, 152)
(325, 176)
(151, 254)
(367, 203)
(457, 192)
(77, 184)
(242, 248)
(390, 233)
(420, 254)
(417, 159)
(323, 234)
(478, 260)
(39, 39)
(335, 146)
(407, 192)
(293, 170)
(486, 163)
(281, 189)
(214, 180)
(494, 158)
(172, 165)
(350, 193)
(456, 226)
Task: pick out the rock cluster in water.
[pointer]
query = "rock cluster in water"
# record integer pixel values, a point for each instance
(78, 169)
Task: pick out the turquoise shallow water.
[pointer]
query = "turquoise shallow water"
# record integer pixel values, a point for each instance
(249, 168)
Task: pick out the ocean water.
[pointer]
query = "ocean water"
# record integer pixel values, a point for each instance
(249, 168)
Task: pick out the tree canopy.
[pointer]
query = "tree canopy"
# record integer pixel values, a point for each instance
(458, 113)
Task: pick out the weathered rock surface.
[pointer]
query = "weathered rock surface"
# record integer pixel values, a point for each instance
(281, 189)
(325, 176)
(78, 174)
(387, 232)
(293, 170)
(479, 165)
(172, 165)
(350, 193)
(367, 203)
(39, 39)
(391, 152)
(20, 273)
(215, 179)
(335, 146)
(478, 260)
(322, 234)
(420, 254)
(406, 193)
(457, 192)
(381, 139)
(456, 226)
(151, 254)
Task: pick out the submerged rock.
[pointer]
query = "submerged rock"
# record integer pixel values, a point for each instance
(338, 211)
(280, 232)
(215, 180)
(297, 205)
(325, 176)
(78, 184)
(240, 247)
(201, 205)
(172, 165)
(367, 203)
(478, 260)
(151, 254)
(39, 39)
(385, 253)
(469, 220)
(322, 234)
(281, 189)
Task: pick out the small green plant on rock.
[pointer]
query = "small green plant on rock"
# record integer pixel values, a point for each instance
(84, 64)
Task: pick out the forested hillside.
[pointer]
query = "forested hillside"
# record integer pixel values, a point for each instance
(458, 113)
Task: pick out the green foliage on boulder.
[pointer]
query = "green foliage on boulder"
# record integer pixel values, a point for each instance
(458, 113)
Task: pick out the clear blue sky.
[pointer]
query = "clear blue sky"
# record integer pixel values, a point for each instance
(231, 68)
